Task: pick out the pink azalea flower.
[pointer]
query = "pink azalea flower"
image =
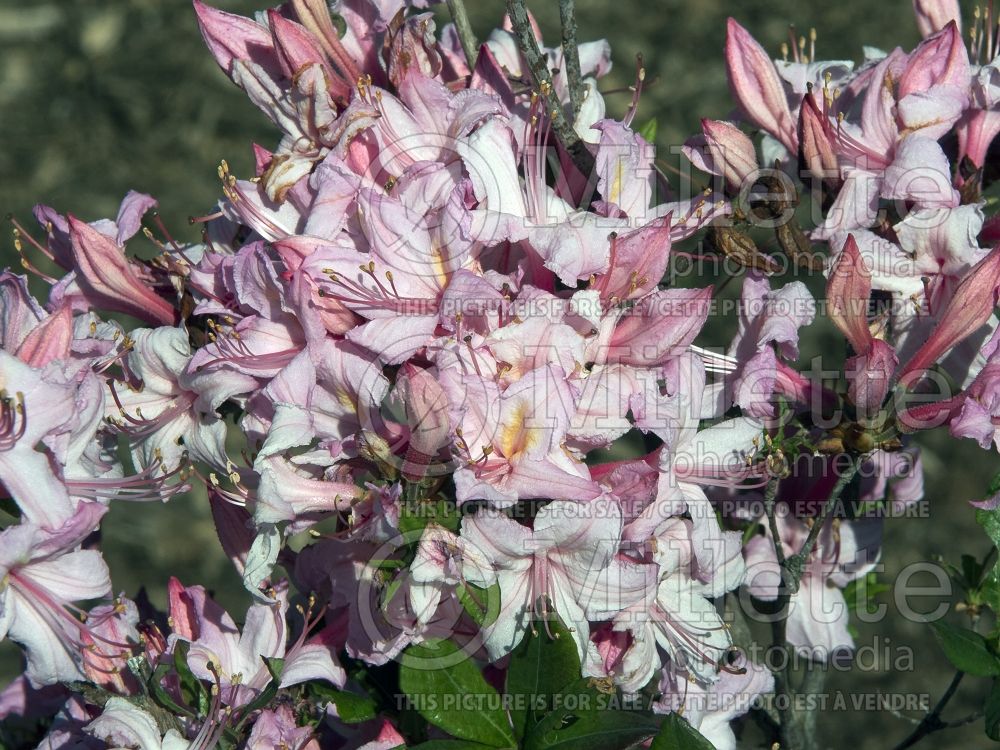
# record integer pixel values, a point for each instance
(157, 411)
(123, 724)
(44, 573)
(710, 707)
(769, 323)
(556, 564)
(515, 444)
(674, 611)
(693, 458)
(277, 728)
(34, 408)
(892, 151)
(220, 652)
(845, 550)
(444, 562)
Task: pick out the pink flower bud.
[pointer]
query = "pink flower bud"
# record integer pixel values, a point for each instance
(294, 45)
(108, 280)
(870, 376)
(847, 293)
(315, 16)
(183, 618)
(929, 416)
(638, 262)
(661, 326)
(262, 159)
(732, 153)
(976, 131)
(817, 140)
(939, 60)
(427, 416)
(755, 85)
(230, 37)
(50, 340)
(934, 15)
(969, 309)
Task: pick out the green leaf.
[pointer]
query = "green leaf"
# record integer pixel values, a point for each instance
(861, 593)
(389, 591)
(966, 650)
(10, 513)
(648, 130)
(351, 707)
(539, 668)
(275, 667)
(972, 571)
(414, 516)
(161, 696)
(446, 688)
(483, 605)
(585, 719)
(990, 521)
(994, 487)
(677, 734)
(992, 711)
(193, 691)
(989, 591)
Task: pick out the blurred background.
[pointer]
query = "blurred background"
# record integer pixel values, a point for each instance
(98, 97)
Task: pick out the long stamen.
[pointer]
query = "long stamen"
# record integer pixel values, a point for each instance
(146, 486)
(640, 78)
(26, 264)
(77, 628)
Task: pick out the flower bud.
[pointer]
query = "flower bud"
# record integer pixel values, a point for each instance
(847, 292)
(231, 37)
(295, 46)
(50, 340)
(870, 376)
(939, 60)
(817, 142)
(755, 85)
(934, 15)
(108, 279)
(731, 151)
(969, 309)
(427, 416)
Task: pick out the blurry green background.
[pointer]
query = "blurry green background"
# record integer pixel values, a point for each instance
(99, 97)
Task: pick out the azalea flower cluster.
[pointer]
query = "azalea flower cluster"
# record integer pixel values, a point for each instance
(434, 350)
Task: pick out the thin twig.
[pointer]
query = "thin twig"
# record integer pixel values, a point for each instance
(470, 45)
(838, 488)
(571, 54)
(932, 721)
(974, 716)
(904, 717)
(769, 495)
(796, 729)
(528, 45)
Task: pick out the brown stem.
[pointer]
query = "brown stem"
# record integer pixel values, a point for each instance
(571, 54)
(528, 46)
